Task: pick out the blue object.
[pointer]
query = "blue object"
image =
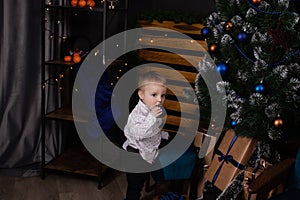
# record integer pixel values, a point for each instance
(221, 68)
(242, 36)
(103, 104)
(182, 168)
(259, 88)
(205, 31)
(233, 123)
(297, 171)
(171, 196)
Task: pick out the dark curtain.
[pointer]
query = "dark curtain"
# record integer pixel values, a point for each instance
(20, 83)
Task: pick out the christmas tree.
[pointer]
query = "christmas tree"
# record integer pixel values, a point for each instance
(255, 46)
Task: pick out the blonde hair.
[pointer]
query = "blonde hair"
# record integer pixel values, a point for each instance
(151, 77)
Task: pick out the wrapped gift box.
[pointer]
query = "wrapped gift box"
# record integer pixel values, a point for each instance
(230, 158)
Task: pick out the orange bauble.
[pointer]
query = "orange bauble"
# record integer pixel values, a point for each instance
(74, 3)
(278, 122)
(82, 3)
(67, 58)
(90, 3)
(256, 1)
(213, 47)
(76, 58)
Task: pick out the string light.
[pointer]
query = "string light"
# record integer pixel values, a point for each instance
(96, 53)
(55, 80)
(52, 35)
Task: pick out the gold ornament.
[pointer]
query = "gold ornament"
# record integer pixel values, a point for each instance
(278, 122)
(256, 1)
(227, 26)
(213, 47)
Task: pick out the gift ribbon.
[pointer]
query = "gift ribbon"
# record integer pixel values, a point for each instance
(226, 158)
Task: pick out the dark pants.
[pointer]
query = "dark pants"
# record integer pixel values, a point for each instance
(136, 181)
(135, 186)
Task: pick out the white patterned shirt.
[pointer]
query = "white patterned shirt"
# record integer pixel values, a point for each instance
(143, 132)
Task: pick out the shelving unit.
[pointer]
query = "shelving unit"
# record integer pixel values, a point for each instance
(76, 159)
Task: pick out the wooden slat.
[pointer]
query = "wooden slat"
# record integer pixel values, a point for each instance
(183, 122)
(154, 41)
(180, 27)
(175, 106)
(172, 74)
(169, 58)
(64, 113)
(178, 91)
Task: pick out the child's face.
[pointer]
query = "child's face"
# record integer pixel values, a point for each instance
(153, 94)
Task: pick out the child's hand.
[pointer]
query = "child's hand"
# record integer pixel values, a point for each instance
(156, 111)
(165, 135)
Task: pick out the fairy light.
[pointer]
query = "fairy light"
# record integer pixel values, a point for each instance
(96, 53)
(52, 35)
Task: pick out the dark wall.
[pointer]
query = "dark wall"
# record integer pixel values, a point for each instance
(199, 7)
(90, 25)
(203, 7)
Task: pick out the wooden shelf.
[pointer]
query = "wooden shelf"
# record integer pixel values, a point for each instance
(76, 160)
(86, 8)
(63, 114)
(94, 9)
(60, 62)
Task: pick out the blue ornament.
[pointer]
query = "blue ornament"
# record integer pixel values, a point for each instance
(242, 36)
(259, 88)
(221, 68)
(205, 31)
(233, 123)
